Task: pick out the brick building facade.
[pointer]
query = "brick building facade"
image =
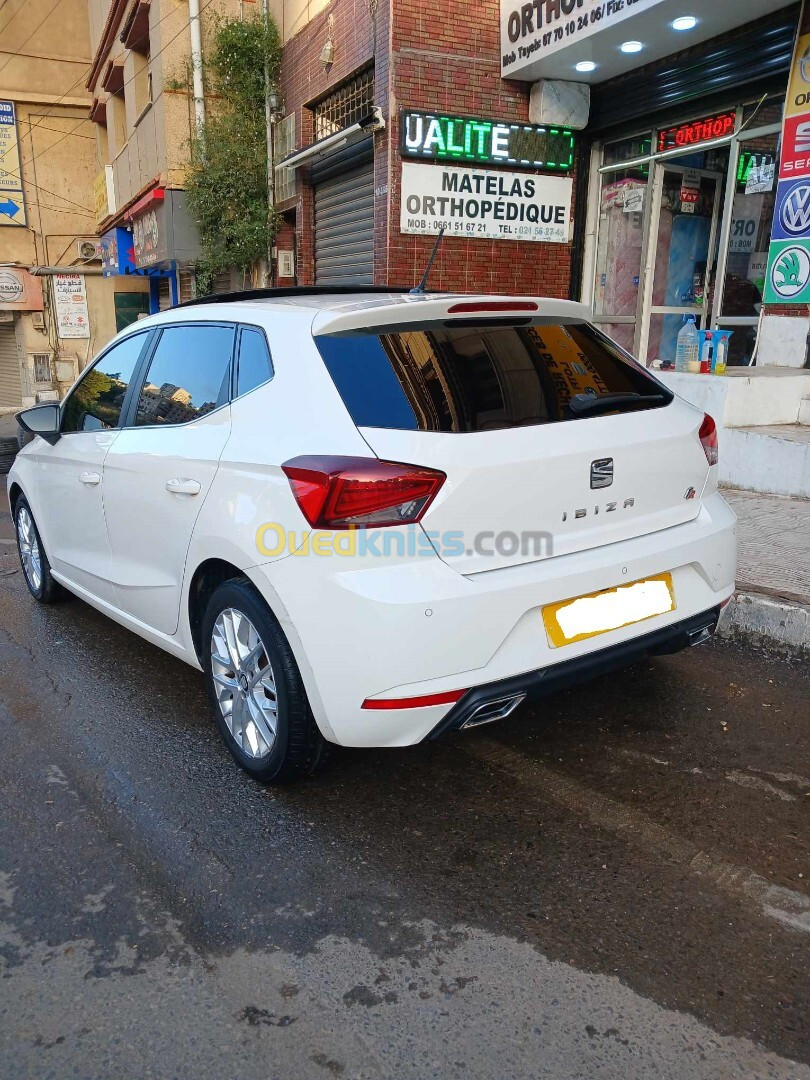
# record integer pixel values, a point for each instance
(447, 59)
(443, 57)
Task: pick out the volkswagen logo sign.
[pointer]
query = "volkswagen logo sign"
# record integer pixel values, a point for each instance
(795, 212)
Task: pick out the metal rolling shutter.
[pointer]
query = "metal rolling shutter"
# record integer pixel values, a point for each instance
(739, 66)
(344, 217)
(10, 392)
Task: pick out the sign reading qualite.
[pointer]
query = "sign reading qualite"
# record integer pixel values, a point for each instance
(480, 203)
(440, 137)
(533, 30)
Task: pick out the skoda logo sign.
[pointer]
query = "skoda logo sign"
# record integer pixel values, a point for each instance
(795, 212)
(790, 272)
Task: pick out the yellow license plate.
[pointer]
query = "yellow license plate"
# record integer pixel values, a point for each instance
(599, 613)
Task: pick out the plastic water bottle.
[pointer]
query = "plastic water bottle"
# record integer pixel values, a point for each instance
(720, 355)
(688, 348)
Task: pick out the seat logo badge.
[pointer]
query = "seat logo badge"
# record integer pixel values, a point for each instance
(602, 473)
(690, 494)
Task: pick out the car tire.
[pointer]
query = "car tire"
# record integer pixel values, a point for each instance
(265, 720)
(33, 560)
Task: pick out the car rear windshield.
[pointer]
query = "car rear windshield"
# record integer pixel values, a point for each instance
(474, 376)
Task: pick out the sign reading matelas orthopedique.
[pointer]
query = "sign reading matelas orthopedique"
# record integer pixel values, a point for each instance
(485, 203)
(533, 30)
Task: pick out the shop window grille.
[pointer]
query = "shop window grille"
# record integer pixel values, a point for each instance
(185, 283)
(284, 146)
(42, 367)
(345, 106)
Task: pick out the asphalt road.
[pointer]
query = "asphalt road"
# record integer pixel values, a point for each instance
(614, 883)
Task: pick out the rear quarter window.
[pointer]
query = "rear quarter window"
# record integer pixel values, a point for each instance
(467, 377)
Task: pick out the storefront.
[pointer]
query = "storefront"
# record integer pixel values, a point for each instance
(164, 246)
(683, 107)
(118, 260)
(20, 300)
(679, 221)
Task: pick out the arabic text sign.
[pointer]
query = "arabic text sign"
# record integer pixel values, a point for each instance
(484, 204)
(70, 303)
(12, 205)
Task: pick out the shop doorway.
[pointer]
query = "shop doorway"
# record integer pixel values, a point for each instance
(682, 247)
(683, 231)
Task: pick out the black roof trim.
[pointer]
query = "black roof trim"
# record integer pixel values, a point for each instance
(296, 290)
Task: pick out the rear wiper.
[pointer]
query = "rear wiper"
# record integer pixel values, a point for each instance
(582, 404)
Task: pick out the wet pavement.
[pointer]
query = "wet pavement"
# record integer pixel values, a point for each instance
(612, 883)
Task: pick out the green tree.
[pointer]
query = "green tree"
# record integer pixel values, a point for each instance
(227, 180)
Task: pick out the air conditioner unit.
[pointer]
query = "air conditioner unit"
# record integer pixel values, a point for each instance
(88, 249)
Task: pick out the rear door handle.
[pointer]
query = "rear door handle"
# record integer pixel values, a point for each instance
(183, 487)
(90, 478)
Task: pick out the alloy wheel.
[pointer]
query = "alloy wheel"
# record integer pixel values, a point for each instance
(30, 554)
(245, 684)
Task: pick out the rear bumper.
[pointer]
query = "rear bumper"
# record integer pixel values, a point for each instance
(392, 628)
(478, 704)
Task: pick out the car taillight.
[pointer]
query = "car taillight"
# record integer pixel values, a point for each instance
(338, 492)
(708, 439)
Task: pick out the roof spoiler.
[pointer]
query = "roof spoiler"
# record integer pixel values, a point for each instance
(296, 291)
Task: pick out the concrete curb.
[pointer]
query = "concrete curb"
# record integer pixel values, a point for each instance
(767, 620)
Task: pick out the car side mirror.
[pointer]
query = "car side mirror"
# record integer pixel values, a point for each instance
(44, 420)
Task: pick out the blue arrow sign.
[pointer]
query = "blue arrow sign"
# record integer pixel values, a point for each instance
(9, 207)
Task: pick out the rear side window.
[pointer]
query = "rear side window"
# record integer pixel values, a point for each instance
(478, 377)
(255, 366)
(188, 376)
(96, 402)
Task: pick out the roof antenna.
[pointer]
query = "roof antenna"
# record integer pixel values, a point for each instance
(421, 288)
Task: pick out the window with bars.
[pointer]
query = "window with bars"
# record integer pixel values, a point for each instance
(42, 367)
(284, 146)
(345, 106)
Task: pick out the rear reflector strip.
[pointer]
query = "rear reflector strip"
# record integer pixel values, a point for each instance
(449, 698)
(471, 306)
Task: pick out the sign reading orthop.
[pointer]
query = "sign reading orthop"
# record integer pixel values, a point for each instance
(482, 204)
(441, 137)
(697, 131)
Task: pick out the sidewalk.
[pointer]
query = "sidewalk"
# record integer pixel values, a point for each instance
(772, 604)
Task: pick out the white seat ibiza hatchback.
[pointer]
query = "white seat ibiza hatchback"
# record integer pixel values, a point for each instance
(373, 517)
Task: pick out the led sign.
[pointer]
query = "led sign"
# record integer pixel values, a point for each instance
(749, 161)
(696, 131)
(434, 137)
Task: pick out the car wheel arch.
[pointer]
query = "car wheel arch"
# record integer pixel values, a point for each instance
(14, 492)
(206, 579)
(212, 572)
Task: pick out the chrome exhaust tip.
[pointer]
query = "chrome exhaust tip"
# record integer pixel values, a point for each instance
(490, 711)
(700, 637)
